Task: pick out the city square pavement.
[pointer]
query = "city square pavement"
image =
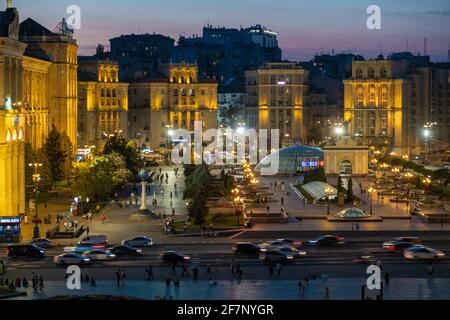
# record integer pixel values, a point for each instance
(339, 289)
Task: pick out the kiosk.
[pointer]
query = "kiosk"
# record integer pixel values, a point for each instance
(9, 229)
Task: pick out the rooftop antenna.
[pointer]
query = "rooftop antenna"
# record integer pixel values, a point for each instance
(407, 44)
(448, 53)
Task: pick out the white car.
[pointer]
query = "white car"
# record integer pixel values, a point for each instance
(138, 242)
(422, 253)
(100, 254)
(71, 258)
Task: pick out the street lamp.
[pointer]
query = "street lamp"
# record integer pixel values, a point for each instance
(328, 191)
(426, 181)
(36, 179)
(237, 201)
(371, 190)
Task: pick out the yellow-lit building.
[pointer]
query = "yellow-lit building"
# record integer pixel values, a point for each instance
(38, 88)
(173, 98)
(275, 99)
(387, 103)
(102, 102)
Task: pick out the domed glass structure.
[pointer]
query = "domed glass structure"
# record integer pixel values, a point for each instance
(352, 213)
(295, 159)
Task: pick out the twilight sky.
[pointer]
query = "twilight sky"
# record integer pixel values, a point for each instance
(304, 27)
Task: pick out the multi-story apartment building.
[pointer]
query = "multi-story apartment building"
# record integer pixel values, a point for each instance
(224, 54)
(173, 98)
(389, 101)
(275, 99)
(102, 102)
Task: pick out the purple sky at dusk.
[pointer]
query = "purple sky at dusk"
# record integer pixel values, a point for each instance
(304, 27)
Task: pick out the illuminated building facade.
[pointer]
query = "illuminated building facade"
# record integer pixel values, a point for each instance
(388, 102)
(172, 98)
(38, 88)
(102, 102)
(275, 99)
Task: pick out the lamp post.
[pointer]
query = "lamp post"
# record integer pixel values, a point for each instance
(237, 201)
(328, 191)
(426, 181)
(371, 190)
(36, 179)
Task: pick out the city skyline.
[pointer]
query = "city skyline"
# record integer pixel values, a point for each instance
(303, 30)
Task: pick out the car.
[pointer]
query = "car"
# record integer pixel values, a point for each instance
(138, 242)
(71, 258)
(172, 256)
(41, 242)
(415, 240)
(25, 250)
(123, 250)
(365, 259)
(100, 254)
(422, 253)
(94, 240)
(81, 248)
(327, 241)
(292, 251)
(276, 256)
(399, 246)
(281, 242)
(246, 248)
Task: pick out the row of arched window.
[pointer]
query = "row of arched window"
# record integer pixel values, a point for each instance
(14, 134)
(182, 80)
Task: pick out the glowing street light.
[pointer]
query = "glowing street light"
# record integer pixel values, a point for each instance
(371, 191)
(328, 191)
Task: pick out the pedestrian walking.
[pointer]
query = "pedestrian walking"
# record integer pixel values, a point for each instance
(208, 269)
(271, 270)
(279, 269)
(103, 218)
(195, 271)
(430, 269)
(118, 277)
(386, 278)
(149, 271)
(233, 267)
(327, 294)
(87, 231)
(300, 287)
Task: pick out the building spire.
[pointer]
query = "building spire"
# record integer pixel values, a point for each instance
(9, 4)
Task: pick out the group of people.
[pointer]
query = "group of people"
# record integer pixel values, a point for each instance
(37, 282)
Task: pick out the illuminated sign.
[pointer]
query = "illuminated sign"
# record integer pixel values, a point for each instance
(281, 83)
(9, 220)
(312, 164)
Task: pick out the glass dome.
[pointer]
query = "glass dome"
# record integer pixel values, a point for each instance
(352, 213)
(294, 159)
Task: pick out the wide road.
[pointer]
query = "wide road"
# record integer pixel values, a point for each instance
(335, 262)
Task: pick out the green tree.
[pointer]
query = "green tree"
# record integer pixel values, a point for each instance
(198, 209)
(58, 150)
(118, 144)
(99, 178)
(350, 190)
(340, 186)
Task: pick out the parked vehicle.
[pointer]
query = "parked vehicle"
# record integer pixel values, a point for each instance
(25, 250)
